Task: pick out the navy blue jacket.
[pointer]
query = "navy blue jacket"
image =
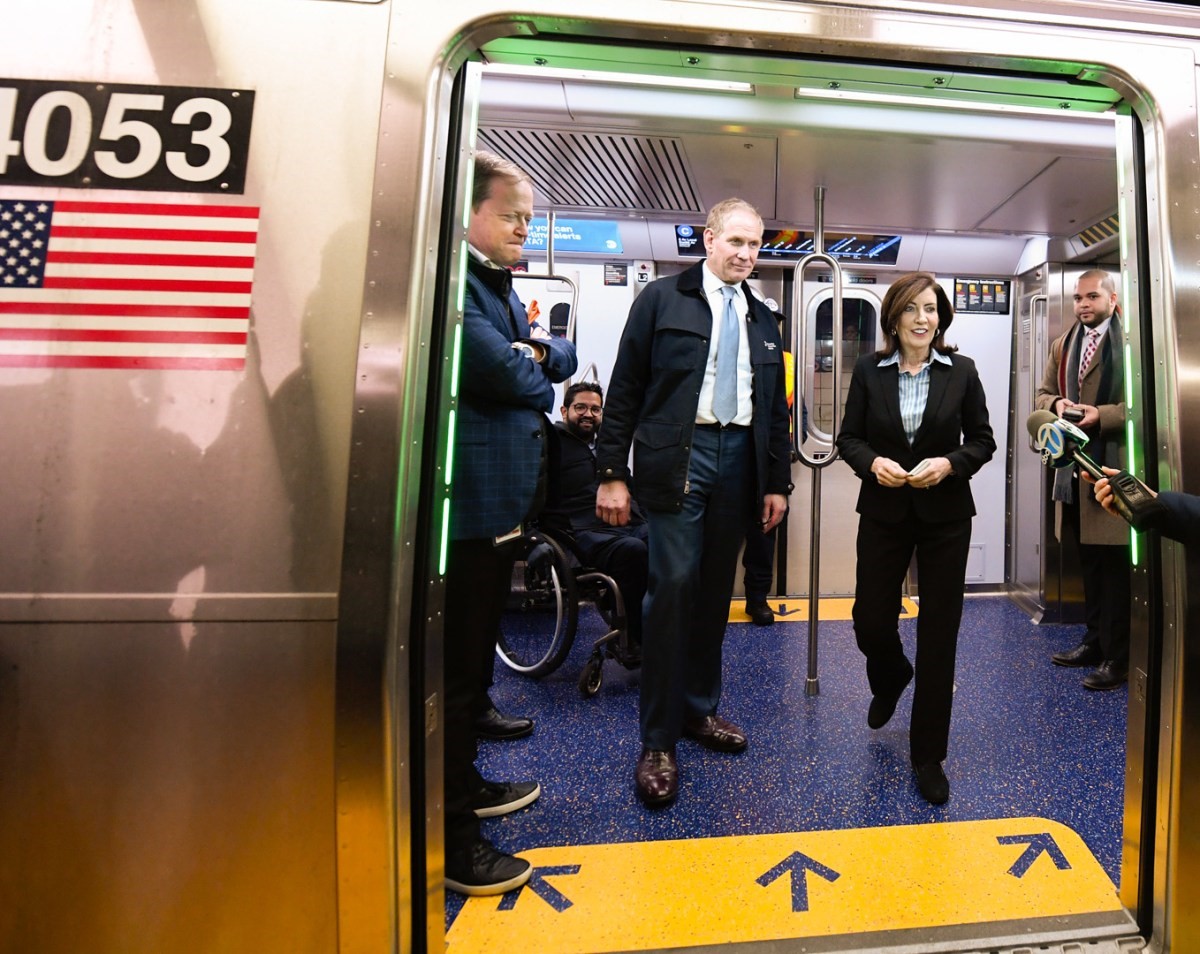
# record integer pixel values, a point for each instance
(655, 390)
(501, 427)
(1181, 520)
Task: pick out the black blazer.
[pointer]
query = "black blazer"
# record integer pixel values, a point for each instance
(955, 426)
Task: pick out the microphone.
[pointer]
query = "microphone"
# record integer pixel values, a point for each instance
(1062, 443)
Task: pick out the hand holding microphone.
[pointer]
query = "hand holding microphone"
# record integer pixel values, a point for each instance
(1062, 443)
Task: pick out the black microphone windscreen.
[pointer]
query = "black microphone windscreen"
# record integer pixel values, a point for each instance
(1036, 420)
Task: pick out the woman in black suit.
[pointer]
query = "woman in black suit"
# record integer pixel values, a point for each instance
(915, 430)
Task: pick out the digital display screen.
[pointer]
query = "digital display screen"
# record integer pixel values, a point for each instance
(794, 244)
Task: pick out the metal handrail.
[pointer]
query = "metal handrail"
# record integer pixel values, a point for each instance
(812, 685)
(1037, 324)
(551, 277)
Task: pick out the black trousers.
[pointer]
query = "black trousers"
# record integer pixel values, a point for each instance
(478, 580)
(884, 553)
(758, 563)
(625, 557)
(1107, 592)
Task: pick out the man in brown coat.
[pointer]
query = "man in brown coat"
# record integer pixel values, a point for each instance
(1085, 383)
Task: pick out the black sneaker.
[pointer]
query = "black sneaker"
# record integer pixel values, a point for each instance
(482, 870)
(500, 798)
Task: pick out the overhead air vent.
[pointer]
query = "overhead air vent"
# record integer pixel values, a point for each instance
(587, 170)
(1104, 229)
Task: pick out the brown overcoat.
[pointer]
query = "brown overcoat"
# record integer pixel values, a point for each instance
(1096, 526)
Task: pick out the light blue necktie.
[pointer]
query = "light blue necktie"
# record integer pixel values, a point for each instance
(725, 388)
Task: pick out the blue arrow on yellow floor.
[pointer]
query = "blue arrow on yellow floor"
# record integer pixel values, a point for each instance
(650, 895)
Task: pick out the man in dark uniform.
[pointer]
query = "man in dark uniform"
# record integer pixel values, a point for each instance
(508, 371)
(697, 391)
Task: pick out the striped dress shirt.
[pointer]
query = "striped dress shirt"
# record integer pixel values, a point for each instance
(914, 390)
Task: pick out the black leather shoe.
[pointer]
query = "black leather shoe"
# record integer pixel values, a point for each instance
(932, 783)
(493, 724)
(760, 613)
(879, 713)
(482, 870)
(1085, 654)
(715, 733)
(500, 798)
(1108, 675)
(657, 777)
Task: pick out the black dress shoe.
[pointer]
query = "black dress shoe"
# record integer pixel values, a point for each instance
(760, 613)
(1085, 654)
(1108, 675)
(500, 798)
(493, 724)
(657, 777)
(883, 705)
(715, 733)
(482, 870)
(932, 783)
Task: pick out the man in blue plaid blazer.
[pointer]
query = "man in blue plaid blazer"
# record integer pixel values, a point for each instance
(501, 451)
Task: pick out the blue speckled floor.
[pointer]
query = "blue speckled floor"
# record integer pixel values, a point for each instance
(1026, 739)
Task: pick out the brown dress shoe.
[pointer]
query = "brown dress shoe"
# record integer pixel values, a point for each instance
(657, 777)
(715, 733)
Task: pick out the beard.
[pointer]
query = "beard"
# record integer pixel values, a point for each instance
(583, 433)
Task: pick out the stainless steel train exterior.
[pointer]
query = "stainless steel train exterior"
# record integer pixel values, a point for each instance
(220, 590)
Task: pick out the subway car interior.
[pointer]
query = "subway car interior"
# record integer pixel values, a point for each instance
(1032, 201)
(221, 636)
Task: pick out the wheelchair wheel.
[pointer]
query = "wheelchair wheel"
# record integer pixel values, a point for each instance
(538, 627)
(592, 677)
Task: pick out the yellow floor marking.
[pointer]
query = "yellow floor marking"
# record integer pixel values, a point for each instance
(794, 609)
(662, 894)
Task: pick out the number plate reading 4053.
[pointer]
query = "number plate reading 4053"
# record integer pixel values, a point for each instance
(105, 136)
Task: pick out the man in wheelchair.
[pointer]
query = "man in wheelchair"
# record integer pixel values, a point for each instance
(570, 510)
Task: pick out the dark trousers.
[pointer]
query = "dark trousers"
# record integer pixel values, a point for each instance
(693, 560)
(758, 562)
(623, 556)
(478, 580)
(1107, 592)
(884, 553)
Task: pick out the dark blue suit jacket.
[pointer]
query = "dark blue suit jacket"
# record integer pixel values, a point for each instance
(501, 426)
(955, 426)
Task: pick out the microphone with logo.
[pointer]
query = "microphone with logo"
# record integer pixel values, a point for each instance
(1062, 443)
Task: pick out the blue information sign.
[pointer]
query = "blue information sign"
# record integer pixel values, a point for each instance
(576, 235)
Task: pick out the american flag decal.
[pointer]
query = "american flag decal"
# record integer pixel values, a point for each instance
(125, 284)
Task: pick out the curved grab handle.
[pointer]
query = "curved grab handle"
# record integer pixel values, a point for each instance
(1037, 327)
(800, 352)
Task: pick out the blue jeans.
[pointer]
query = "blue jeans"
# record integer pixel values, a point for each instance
(693, 560)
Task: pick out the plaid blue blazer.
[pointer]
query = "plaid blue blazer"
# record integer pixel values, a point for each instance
(502, 405)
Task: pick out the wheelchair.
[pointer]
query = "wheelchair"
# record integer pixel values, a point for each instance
(539, 625)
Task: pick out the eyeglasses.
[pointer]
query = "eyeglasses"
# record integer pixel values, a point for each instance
(582, 409)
